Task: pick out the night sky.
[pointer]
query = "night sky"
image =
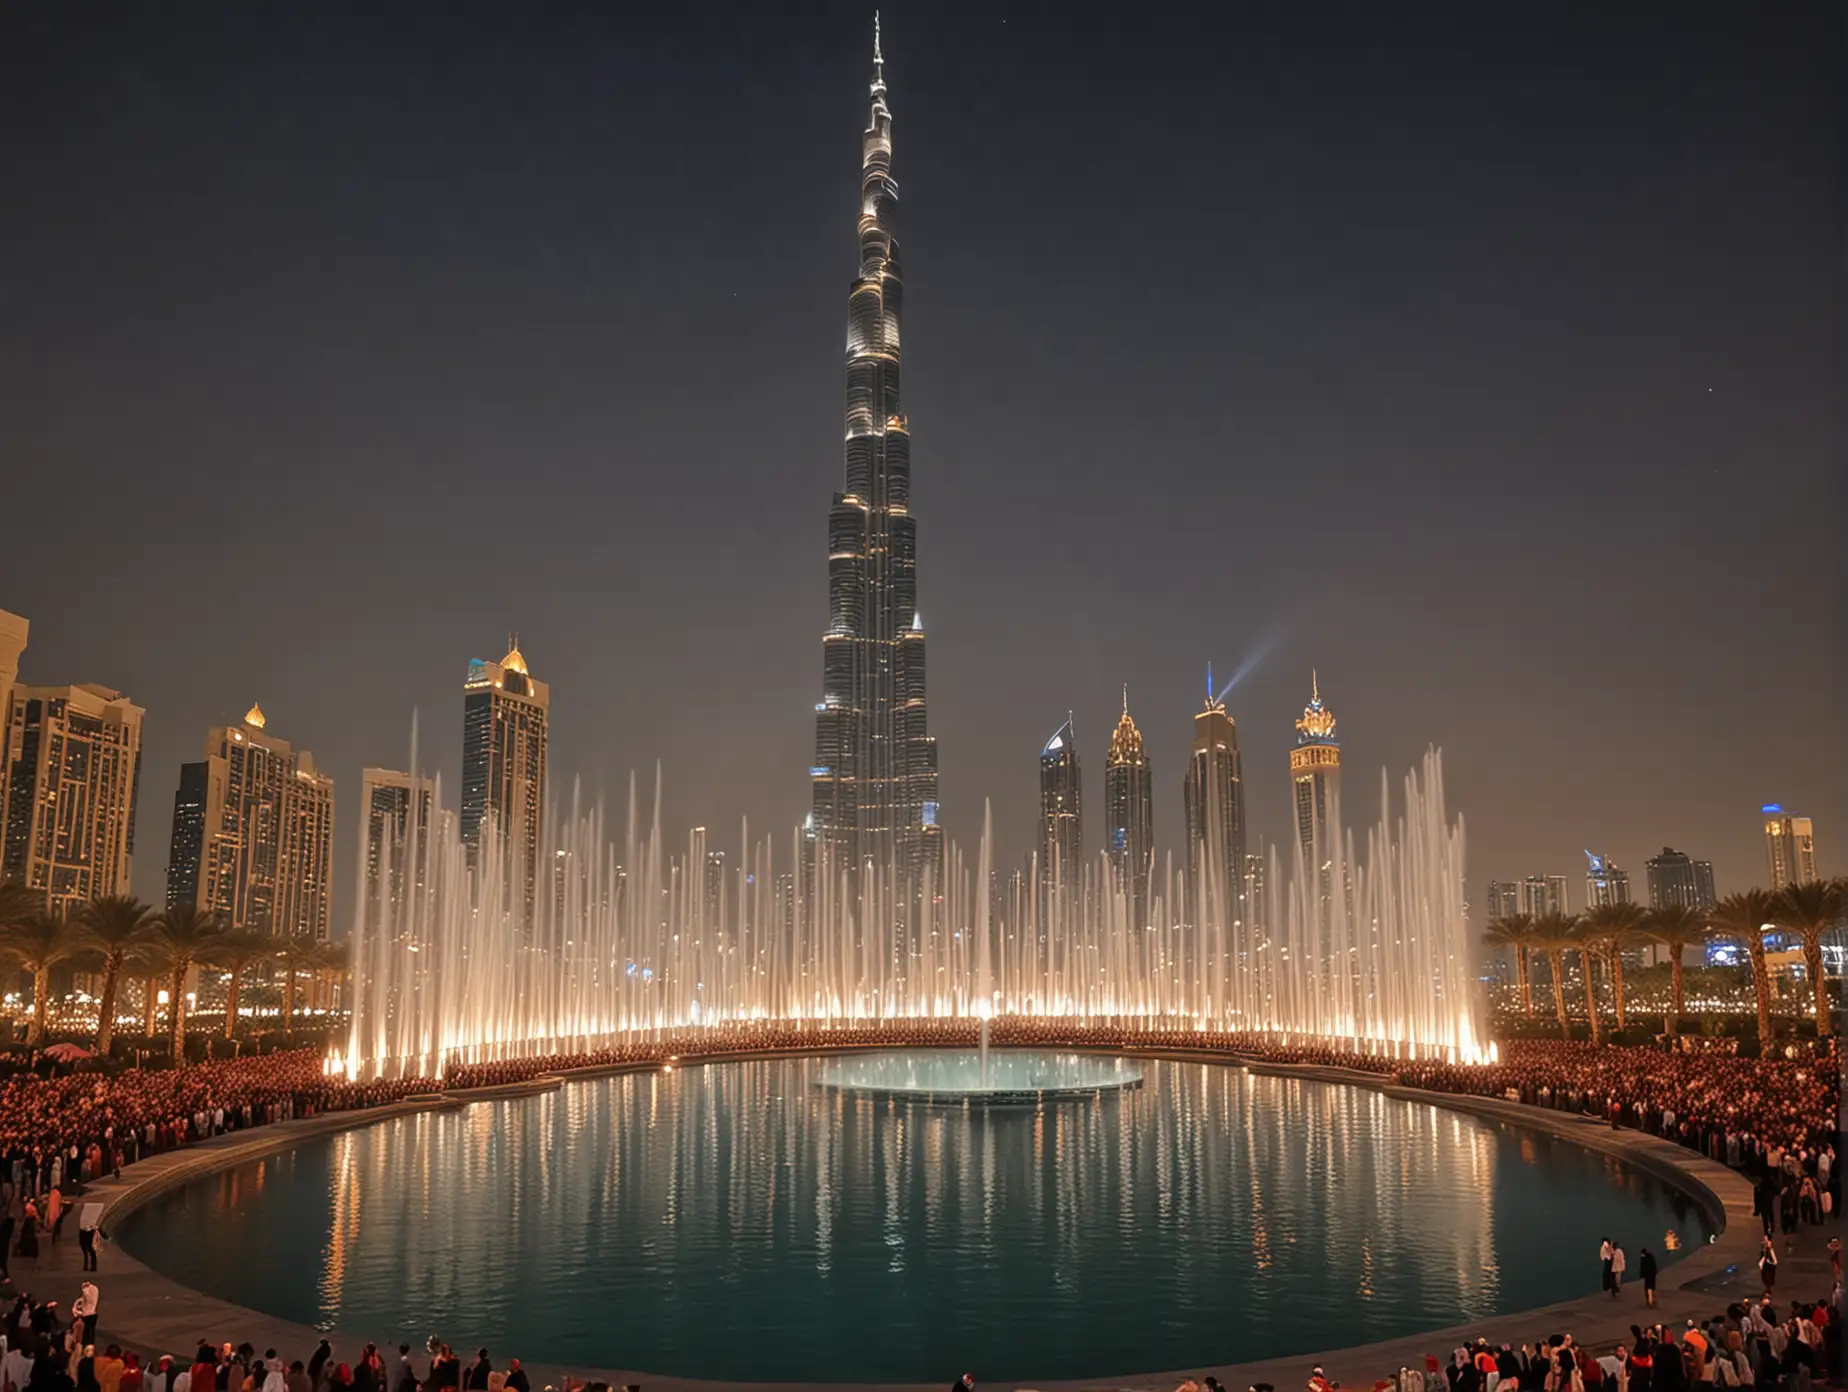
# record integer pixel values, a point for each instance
(1481, 357)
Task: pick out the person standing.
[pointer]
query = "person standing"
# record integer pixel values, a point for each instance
(1646, 1268)
(1767, 1264)
(1619, 1263)
(1604, 1256)
(86, 1236)
(83, 1312)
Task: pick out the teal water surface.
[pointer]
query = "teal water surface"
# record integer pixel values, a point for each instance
(740, 1222)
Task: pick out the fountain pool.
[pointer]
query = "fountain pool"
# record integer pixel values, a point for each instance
(739, 1221)
(1008, 1077)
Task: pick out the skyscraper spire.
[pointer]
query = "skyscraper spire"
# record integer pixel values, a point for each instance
(874, 775)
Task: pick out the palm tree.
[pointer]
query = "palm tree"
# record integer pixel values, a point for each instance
(113, 929)
(1516, 931)
(298, 953)
(1677, 927)
(1811, 910)
(1607, 929)
(332, 963)
(1553, 935)
(188, 937)
(38, 943)
(237, 952)
(1742, 917)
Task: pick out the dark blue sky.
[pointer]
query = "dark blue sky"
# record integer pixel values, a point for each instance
(1483, 357)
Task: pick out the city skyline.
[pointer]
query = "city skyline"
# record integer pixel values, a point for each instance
(580, 394)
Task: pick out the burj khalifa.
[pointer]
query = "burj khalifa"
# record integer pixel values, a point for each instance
(874, 774)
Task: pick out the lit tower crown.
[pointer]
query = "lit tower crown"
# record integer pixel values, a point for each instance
(1129, 806)
(1315, 777)
(874, 774)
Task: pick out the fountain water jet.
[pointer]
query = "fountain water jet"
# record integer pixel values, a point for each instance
(624, 943)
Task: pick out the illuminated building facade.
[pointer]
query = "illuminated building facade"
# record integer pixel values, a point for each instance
(1606, 882)
(253, 834)
(1545, 894)
(14, 631)
(874, 775)
(506, 715)
(1213, 792)
(1129, 811)
(397, 809)
(1315, 776)
(1790, 846)
(1061, 838)
(1503, 900)
(72, 766)
(1676, 880)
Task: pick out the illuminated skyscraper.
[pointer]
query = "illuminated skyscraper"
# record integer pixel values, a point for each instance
(874, 776)
(253, 834)
(1606, 882)
(72, 766)
(396, 808)
(1061, 839)
(1214, 795)
(506, 714)
(1544, 894)
(1790, 846)
(1502, 901)
(1678, 880)
(1129, 809)
(1315, 774)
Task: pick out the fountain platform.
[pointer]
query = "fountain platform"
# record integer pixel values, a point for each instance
(954, 1077)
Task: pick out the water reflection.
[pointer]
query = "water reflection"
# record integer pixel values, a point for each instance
(740, 1222)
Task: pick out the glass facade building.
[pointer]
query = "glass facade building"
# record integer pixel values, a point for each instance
(506, 714)
(1129, 810)
(874, 774)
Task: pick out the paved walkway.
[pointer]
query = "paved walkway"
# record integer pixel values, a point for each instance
(143, 1310)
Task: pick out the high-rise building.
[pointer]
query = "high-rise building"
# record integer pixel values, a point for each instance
(1315, 773)
(1678, 880)
(1214, 795)
(1606, 882)
(1790, 846)
(1061, 839)
(186, 845)
(1129, 807)
(397, 809)
(506, 714)
(1545, 894)
(72, 766)
(253, 833)
(1502, 901)
(874, 775)
(14, 631)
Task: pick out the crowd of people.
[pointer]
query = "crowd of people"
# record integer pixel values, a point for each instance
(1751, 1344)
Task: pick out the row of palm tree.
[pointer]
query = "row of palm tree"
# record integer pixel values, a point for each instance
(119, 937)
(1808, 912)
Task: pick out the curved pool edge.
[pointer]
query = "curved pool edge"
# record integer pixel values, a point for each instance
(143, 1308)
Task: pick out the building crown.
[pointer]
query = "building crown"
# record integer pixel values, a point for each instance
(1317, 724)
(1126, 739)
(254, 716)
(513, 662)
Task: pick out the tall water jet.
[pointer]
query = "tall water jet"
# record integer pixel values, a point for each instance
(630, 942)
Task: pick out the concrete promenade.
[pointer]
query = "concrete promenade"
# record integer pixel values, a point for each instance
(143, 1310)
